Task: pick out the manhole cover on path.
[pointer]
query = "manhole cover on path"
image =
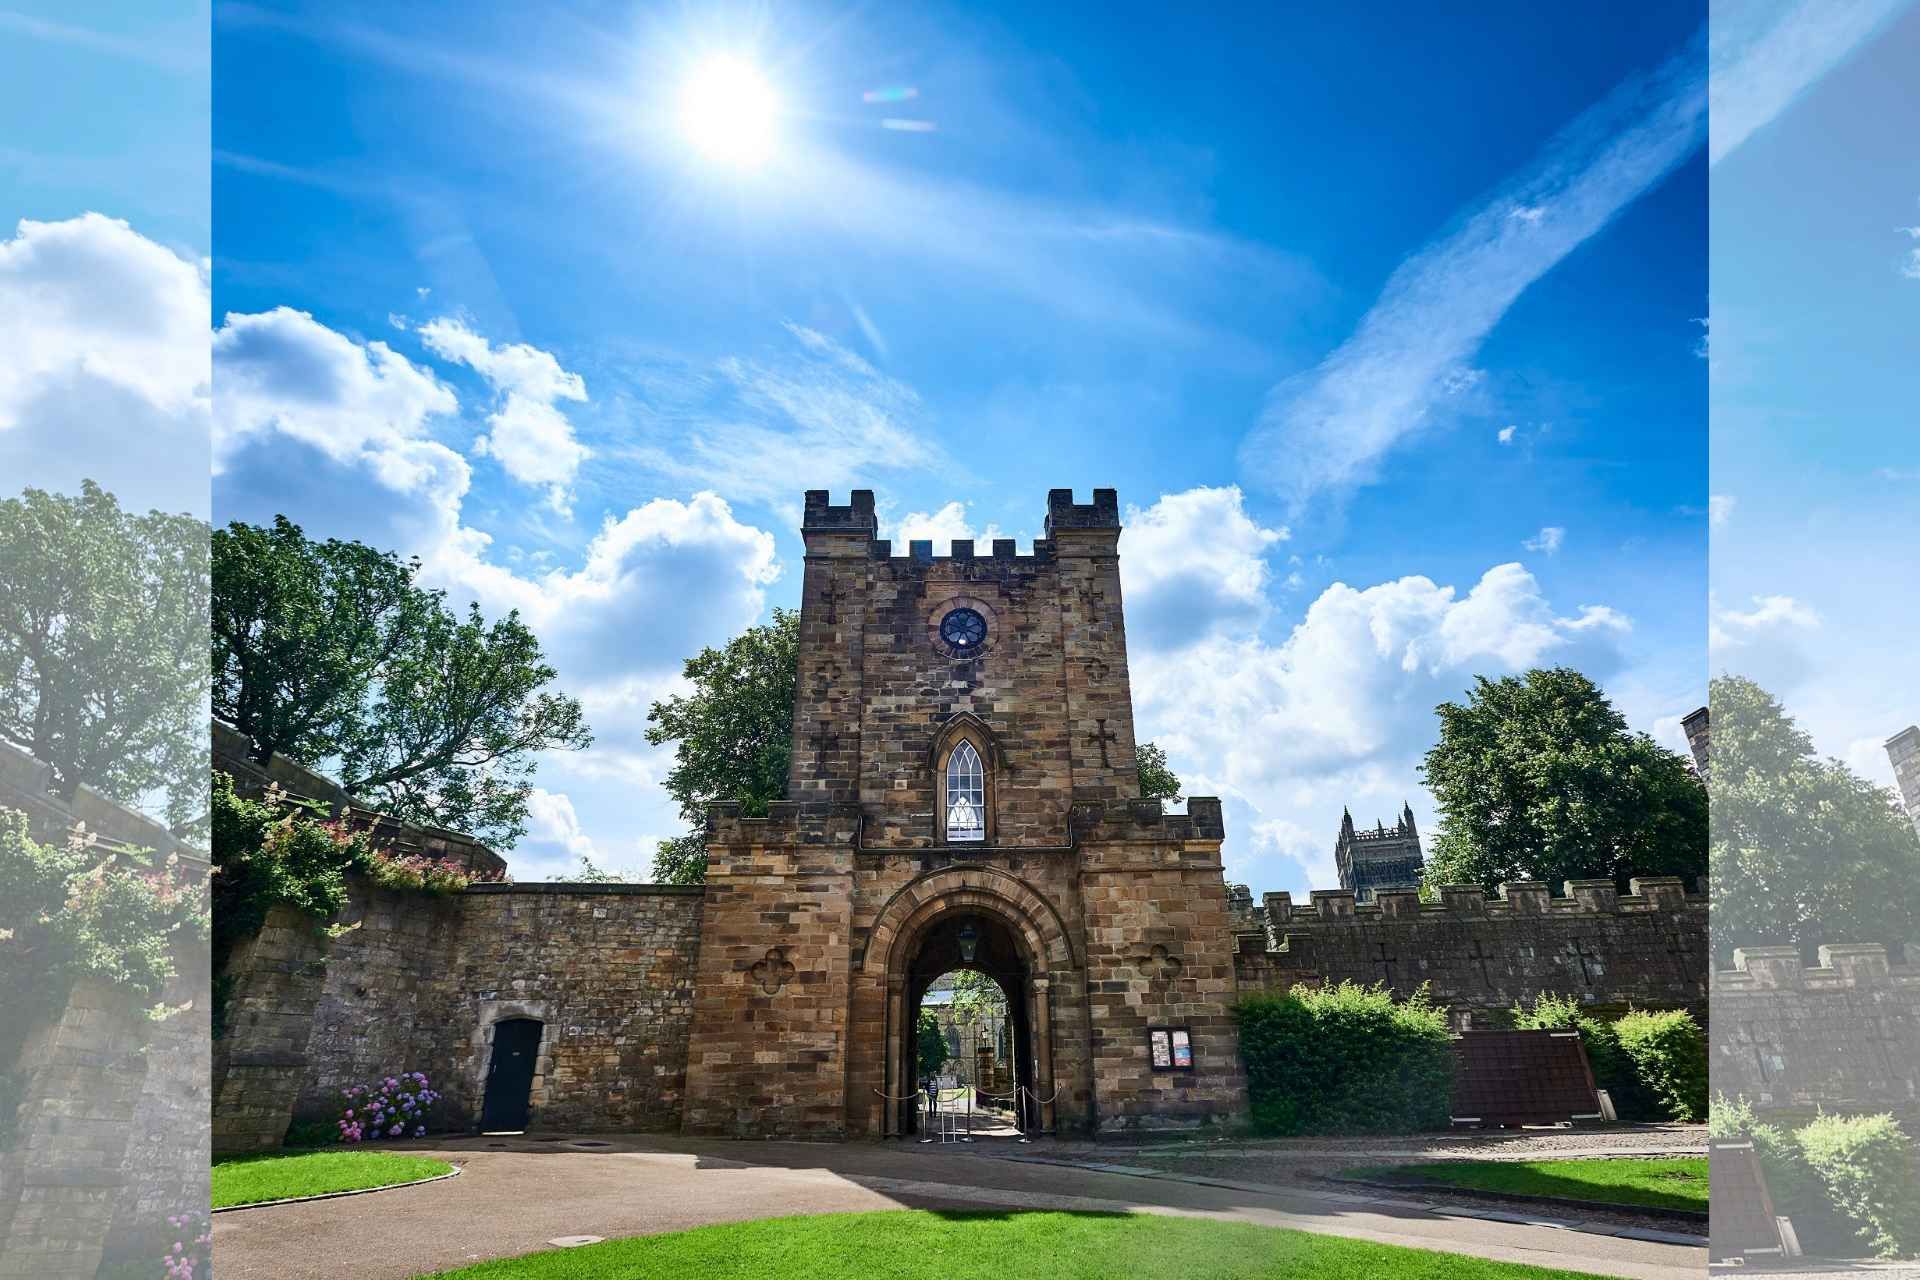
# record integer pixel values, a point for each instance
(574, 1242)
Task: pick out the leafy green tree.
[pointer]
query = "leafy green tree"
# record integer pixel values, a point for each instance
(1537, 777)
(931, 1043)
(1157, 781)
(331, 652)
(102, 617)
(733, 735)
(1804, 851)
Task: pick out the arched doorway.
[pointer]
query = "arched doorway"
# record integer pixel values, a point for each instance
(915, 937)
(507, 1104)
(965, 941)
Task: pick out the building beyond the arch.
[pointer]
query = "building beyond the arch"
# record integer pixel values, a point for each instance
(963, 791)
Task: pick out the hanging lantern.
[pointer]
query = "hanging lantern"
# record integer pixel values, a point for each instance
(969, 942)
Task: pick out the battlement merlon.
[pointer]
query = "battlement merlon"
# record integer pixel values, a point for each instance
(1083, 529)
(843, 530)
(1842, 967)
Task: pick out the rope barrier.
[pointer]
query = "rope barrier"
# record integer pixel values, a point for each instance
(903, 1097)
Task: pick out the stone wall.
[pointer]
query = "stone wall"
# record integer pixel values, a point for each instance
(408, 981)
(110, 1128)
(1160, 952)
(1483, 956)
(1843, 1035)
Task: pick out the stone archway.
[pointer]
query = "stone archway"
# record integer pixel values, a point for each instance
(912, 937)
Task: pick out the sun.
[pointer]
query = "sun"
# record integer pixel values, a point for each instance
(729, 112)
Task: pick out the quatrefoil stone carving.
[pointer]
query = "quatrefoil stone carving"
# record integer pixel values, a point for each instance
(772, 972)
(1159, 964)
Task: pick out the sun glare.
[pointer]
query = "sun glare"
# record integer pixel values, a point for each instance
(729, 113)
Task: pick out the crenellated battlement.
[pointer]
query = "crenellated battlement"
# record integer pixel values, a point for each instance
(787, 822)
(920, 551)
(1064, 513)
(1487, 952)
(1842, 967)
(1137, 820)
(1514, 900)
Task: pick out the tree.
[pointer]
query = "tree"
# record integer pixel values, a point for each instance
(302, 630)
(1157, 781)
(734, 735)
(930, 1042)
(102, 618)
(1537, 777)
(1804, 851)
(332, 652)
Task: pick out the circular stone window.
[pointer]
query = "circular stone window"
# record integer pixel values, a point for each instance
(964, 632)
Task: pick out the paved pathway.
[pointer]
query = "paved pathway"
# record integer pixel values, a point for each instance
(516, 1195)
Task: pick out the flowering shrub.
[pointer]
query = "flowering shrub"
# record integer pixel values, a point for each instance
(191, 1257)
(78, 910)
(395, 1107)
(419, 872)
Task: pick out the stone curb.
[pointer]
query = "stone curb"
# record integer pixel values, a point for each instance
(338, 1195)
(1489, 1213)
(1686, 1217)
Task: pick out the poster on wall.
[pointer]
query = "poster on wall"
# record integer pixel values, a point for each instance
(1170, 1048)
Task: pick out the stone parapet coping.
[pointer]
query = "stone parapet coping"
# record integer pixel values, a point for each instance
(588, 889)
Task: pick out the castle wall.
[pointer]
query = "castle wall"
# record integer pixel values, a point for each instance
(1483, 956)
(1160, 952)
(770, 1015)
(411, 982)
(1843, 1035)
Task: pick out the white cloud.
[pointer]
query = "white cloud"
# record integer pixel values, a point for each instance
(529, 435)
(283, 372)
(814, 409)
(1548, 541)
(91, 296)
(941, 528)
(1506, 434)
(1327, 430)
(1194, 563)
(551, 820)
(1720, 509)
(1763, 56)
(105, 373)
(1731, 627)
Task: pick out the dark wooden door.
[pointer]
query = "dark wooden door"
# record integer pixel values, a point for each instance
(516, 1043)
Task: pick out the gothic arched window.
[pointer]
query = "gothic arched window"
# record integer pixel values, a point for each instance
(966, 795)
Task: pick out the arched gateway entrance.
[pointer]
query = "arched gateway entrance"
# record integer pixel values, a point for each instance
(959, 917)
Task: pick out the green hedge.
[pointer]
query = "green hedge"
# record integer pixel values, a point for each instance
(1669, 1055)
(1653, 1065)
(1866, 1166)
(1346, 1059)
(1795, 1189)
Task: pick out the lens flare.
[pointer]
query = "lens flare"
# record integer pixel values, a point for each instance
(729, 112)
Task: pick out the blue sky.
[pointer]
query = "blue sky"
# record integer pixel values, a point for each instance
(1390, 334)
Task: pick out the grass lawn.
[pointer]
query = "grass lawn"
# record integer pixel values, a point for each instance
(919, 1245)
(1663, 1184)
(251, 1179)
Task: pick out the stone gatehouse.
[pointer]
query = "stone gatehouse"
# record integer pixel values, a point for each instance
(963, 793)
